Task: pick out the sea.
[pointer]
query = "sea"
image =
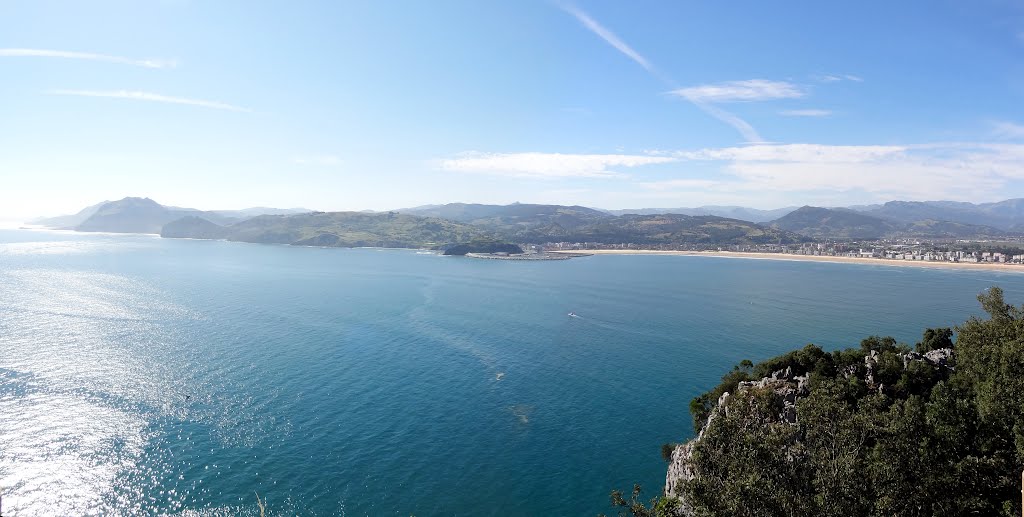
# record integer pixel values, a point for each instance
(141, 375)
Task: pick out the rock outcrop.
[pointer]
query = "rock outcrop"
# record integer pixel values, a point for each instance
(788, 388)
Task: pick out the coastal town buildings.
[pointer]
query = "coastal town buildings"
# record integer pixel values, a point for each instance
(971, 252)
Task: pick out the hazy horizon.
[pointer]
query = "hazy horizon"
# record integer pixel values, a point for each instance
(364, 106)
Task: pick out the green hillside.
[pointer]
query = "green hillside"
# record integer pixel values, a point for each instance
(345, 229)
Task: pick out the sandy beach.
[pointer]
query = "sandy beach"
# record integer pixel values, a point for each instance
(1005, 268)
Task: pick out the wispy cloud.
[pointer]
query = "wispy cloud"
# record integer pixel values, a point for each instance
(147, 96)
(919, 171)
(609, 37)
(806, 113)
(706, 96)
(741, 91)
(745, 129)
(749, 133)
(1007, 130)
(65, 54)
(548, 165)
(326, 160)
(832, 78)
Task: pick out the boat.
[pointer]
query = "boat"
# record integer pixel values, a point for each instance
(572, 314)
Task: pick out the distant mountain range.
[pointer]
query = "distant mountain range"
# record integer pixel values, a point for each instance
(733, 212)
(457, 223)
(841, 223)
(143, 215)
(1004, 215)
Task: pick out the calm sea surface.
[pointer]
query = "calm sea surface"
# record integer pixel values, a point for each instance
(141, 375)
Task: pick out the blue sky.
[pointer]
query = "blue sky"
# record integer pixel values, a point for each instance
(376, 105)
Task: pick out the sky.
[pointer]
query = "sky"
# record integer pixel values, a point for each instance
(386, 104)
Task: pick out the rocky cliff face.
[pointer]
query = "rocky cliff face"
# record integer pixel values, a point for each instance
(788, 389)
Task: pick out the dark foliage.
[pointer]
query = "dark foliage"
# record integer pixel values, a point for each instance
(910, 438)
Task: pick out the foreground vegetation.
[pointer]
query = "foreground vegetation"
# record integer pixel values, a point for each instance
(881, 430)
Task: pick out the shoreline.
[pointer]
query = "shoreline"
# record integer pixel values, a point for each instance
(981, 266)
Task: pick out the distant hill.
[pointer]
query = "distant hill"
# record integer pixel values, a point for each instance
(820, 222)
(513, 214)
(519, 222)
(143, 215)
(833, 223)
(1004, 215)
(949, 229)
(336, 229)
(733, 212)
(131, 215)
(68, 221)
(678, 229)
(194, 227)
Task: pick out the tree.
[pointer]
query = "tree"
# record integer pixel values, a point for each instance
(935, 339)
(660, 506)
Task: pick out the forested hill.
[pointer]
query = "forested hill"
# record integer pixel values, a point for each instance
(336, 229)
(878, 430)
(704, 230)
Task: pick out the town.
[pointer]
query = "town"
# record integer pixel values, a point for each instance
(958, 251)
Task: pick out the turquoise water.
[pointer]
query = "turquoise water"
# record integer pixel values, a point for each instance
(164, 376)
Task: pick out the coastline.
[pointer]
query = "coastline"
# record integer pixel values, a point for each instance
(982, 266)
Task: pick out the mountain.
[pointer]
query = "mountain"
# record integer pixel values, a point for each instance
(68, 221)
(143, 215)
(131, 215)
(839, 223)
(820, 222)
(910, 211)
(733, 212)
(336, 229)
(1004, 215)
